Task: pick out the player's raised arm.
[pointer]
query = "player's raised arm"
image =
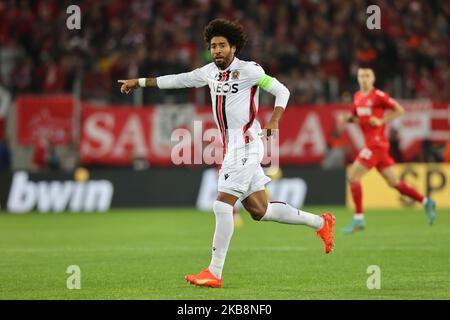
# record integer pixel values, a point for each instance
(130, 84)
(193, 79)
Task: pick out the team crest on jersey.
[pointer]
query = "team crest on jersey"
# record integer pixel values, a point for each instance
(235, 75)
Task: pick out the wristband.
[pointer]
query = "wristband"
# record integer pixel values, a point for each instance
(142, 82)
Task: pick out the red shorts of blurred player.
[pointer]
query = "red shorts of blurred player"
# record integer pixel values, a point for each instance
(375, 157)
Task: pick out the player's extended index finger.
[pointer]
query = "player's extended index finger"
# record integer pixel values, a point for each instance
(121, 81)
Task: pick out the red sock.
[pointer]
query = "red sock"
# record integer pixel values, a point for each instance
(403, 188)
(356, 189)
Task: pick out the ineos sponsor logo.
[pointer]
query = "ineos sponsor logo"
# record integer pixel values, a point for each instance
(225, 88)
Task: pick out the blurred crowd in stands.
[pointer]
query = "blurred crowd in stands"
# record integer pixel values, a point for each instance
(313, 46)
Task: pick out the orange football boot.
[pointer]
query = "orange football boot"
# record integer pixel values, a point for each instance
(204, 279)
(326, 232)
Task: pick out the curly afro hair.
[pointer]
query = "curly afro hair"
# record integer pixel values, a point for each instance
(231, 30)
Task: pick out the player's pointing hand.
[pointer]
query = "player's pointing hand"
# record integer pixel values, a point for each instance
(128, 85)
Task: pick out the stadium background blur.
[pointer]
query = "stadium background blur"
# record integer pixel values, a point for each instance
(313, 47)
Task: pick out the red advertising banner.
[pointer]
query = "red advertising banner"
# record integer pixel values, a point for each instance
(122, 134)
(115, 135)
(2, 128)
(423, 120)
(39, 116)
(119, 135)
(440, 122)
(305, 132)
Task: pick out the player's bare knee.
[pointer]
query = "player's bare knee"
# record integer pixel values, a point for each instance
(257, 214)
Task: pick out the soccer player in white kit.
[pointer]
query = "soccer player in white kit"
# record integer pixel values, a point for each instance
(234, 86)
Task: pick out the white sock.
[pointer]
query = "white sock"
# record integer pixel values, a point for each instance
(358, 216)
(222, 236)
(284, 213)
(424, 200)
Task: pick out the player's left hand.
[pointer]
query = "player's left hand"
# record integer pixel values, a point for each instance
(270, 130)
(375, 122)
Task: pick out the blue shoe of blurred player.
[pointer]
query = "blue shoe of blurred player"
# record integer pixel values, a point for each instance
(430, 209)
(356, 225)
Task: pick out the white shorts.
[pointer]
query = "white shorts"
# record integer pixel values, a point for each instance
(241, 173)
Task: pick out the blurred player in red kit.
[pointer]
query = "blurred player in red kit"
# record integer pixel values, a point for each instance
(369, 106)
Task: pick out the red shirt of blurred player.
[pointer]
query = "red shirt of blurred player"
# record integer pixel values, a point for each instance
(369, 106)
(373, 104)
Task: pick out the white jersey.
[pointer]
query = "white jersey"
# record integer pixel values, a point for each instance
(234, 96)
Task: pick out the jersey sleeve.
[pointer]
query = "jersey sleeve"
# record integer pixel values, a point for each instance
(386, 100)
(255, 73)
(195, 79)
(267, 83)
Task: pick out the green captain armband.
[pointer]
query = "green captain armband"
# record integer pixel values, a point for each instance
(265, 82)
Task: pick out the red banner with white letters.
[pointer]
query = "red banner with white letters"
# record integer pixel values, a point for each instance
(160, 135)
(181, 134)
(186, 134)
(50, 117)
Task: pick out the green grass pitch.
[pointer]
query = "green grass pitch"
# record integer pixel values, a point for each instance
(144, 254)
